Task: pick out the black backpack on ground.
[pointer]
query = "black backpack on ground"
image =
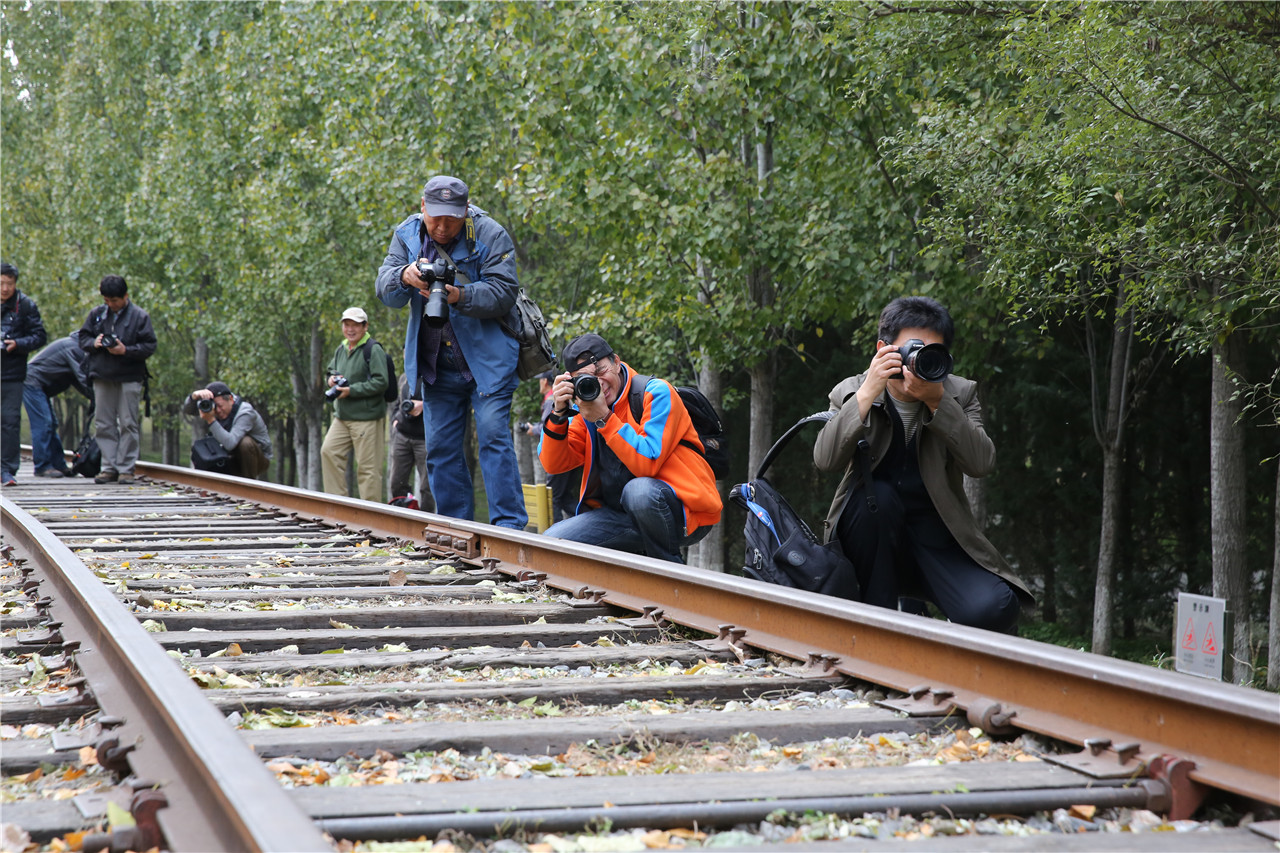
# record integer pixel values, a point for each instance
(88, 458)
(208, 455)
(781, 548)
(715, 444)
(392, 392)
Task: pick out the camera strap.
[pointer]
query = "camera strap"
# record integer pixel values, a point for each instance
(457, 272)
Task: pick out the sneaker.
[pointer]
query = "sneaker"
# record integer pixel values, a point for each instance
(8, 479)
(50, 472)
(106, 477)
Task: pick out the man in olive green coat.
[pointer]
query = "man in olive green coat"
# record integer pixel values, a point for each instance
(357, 378)
(912, 532)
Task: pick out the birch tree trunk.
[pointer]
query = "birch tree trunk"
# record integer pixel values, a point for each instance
(1111, 439)
(709, 552)
(1227, 504)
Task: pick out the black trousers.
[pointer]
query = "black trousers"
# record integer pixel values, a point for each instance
(897, 552)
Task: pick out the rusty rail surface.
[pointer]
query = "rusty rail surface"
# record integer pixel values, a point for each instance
(1130, 718)
(218, 795)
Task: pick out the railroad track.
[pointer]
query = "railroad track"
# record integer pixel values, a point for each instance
(366, 655)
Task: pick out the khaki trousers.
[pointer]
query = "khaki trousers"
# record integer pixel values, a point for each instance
(367, 441)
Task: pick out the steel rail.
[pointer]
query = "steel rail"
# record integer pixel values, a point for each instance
(731, 812)
(1230, 734)
(220, 796)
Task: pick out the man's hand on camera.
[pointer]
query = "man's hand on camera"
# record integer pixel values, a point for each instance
(594, 410)
(929, 393)
(562, 394)
(885, 365)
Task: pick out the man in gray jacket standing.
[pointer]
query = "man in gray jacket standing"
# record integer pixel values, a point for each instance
(234, 424)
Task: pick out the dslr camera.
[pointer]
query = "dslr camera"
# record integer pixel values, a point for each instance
(339, 382)
(406, 408)
(931, 362)
(586, 387)
(525, 427)
(437, 274)
(109, 340)
(205, 405)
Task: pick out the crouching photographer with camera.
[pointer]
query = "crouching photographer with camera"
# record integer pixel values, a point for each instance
(905, 433)
(646, 486)
(237, 429)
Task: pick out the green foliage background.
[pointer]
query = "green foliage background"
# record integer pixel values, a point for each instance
(1037, 167)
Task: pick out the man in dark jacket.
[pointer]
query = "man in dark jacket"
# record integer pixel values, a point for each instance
(118, 339)
(55, 368)
(236, 425)
(23, 333)
(910, 531)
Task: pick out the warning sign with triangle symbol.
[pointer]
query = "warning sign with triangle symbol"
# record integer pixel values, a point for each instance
(1210, 645)
(1189, 636)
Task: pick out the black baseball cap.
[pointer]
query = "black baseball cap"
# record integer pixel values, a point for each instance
(585, 349)
(218, 389)
(445, 196)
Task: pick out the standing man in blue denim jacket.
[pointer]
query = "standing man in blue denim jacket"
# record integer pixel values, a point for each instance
(465, 361)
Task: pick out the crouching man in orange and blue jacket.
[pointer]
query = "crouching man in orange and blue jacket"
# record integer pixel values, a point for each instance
(646, 487)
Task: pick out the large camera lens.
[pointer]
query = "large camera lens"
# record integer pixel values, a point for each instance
(204, 405)
(586, 387)
(109, 340)
(438, 274)
(931, 362)
(406, 406)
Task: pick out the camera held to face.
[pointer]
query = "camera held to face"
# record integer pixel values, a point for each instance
(931, 362)
(109, 340)
(437, 273)
(339, 383)
(205, 405)
(586, 387)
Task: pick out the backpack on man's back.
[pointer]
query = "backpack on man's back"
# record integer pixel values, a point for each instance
(392, 392)
(715, 444)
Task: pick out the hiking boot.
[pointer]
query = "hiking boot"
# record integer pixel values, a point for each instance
(126, 479)
(106, 477)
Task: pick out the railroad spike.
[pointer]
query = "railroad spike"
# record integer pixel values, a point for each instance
(112, 754)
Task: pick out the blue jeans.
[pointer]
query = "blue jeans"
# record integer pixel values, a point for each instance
(446, 404)
(651, 522)
(46, 446)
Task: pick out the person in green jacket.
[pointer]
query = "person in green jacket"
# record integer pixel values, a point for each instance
(357, 380)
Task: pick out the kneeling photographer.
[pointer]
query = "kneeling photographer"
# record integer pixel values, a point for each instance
(905, 433)
(237, 429)
(646, 486)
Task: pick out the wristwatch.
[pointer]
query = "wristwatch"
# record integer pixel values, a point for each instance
(600, 423)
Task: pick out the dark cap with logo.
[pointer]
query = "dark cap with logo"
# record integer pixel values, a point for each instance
(585, 349)
(218, 389)
(445, 196)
